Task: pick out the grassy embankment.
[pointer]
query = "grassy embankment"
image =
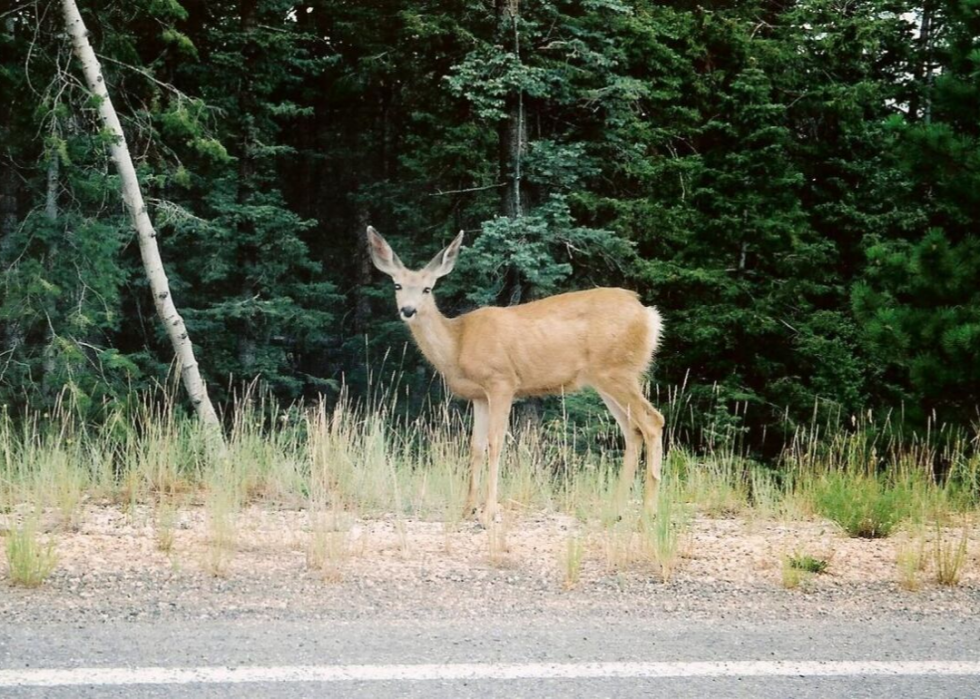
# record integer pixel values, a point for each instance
(349, 463)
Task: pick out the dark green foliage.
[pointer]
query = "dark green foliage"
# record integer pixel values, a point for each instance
(539, 249)
(795, 185)
(919, 298)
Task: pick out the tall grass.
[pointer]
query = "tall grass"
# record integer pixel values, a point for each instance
(371, 459)
(666, 533)
(950, 556)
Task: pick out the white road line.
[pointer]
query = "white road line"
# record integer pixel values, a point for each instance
(96, 676)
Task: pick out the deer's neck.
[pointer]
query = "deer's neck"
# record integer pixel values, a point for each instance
(438, 338)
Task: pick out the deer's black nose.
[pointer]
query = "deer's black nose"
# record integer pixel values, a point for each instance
(408, 311)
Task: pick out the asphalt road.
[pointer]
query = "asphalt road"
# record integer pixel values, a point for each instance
(511, 642)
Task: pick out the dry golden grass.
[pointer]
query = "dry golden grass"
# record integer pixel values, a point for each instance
(369, 462)
(949, 555)
(571, 561)
(29, 560)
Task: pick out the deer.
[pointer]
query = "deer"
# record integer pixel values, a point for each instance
(604, 338)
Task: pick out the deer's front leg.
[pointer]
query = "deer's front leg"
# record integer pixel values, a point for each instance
(499, 403)
(478, 451)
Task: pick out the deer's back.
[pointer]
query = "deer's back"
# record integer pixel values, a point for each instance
(556, 344)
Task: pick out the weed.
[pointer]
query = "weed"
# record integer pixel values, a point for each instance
(527, 480)
(793, 577)
(767, 496)
(221, 507)
(910, 557)
(950, 556)
(719, 486)
(862, 504)
(166, 518)
(618, 538)
(663, 534)
(910, 560)
(329, 545)
(572, 560)
(29, 560)
(807, 563)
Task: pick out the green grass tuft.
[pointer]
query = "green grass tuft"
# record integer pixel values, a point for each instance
(30, 561)
(808, 563)
(863, 505)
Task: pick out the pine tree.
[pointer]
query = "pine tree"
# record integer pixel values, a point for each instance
(919, 300)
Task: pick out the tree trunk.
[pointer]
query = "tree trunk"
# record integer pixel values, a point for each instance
(8, 175)
(133, 199)
(10, 331)
(927, 20)
(512, 132)
(51, 199)
(922, 77)
(51, 213)
(512, 143)
(8, 199)
(362, 304)
(512, 139)
(247, 349)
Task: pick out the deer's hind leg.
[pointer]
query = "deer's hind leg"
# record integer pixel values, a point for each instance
(640, 422)
(631, 456)
(655, 457)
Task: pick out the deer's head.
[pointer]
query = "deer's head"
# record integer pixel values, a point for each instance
(413, 289)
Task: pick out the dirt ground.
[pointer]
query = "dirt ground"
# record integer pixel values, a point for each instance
(112, 565)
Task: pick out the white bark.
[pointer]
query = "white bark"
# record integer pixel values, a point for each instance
(133, 199)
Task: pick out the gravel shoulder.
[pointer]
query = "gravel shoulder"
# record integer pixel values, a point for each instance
(110, 569)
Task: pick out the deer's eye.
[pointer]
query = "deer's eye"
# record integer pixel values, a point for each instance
(398, 287)
(427, 290)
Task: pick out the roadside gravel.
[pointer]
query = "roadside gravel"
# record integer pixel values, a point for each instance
(111, 570)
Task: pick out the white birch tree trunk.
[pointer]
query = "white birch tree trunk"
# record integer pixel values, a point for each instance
(133, 199)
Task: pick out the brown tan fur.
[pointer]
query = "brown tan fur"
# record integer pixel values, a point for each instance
(603, 338)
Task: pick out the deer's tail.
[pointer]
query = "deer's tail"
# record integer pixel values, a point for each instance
(656, 325)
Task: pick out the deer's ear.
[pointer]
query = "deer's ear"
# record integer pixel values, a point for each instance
(383, 257)
(443, 263)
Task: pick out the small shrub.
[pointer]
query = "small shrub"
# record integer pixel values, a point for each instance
(793, 577)
(950, 557)
(862, 505)
(911, 560)
(808, 563)
(30, 561)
